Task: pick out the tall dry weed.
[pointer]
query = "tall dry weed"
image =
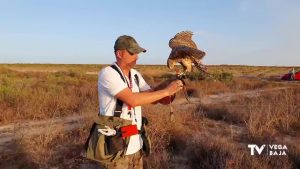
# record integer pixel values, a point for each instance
(278, 112)
(38, 95)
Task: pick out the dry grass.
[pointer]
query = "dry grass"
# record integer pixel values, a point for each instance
(202, 136)
(36, 96)
(55, 147)
(276, 112)
(195, 141)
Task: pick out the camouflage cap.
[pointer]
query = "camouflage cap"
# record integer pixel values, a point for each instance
(128, 43)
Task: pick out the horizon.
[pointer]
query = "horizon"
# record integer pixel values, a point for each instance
(146, 64)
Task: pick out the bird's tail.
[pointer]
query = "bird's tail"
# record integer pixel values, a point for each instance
(203, 69)
(200, 66)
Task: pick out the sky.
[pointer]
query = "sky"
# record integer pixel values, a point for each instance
(234, 32)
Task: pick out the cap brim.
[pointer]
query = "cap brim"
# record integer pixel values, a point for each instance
(137, 50)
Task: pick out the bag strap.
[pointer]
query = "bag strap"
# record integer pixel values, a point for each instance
(116, 69)
(119, 105)
(86, 145)
(136, 77)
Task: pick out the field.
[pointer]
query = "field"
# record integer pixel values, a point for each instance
(47, 111)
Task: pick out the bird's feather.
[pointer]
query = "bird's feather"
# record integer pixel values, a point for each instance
(183, 38)
(186, 52)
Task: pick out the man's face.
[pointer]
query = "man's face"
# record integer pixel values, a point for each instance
(128, 58)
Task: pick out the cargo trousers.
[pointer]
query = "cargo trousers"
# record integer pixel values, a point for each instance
(132, 161)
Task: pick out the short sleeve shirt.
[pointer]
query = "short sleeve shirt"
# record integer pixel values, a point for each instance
(110, 83)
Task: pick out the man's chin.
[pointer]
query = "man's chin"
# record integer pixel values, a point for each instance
(132, 64)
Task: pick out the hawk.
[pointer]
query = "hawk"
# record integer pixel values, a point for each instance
(185, 52)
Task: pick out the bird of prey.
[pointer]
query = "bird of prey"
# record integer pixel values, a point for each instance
(185, 52)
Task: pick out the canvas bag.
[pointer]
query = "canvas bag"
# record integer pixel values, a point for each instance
(106, 149)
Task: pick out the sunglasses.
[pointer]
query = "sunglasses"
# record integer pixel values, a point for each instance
(130, 52)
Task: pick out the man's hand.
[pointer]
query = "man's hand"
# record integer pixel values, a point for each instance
(171, 87)
(174, 87)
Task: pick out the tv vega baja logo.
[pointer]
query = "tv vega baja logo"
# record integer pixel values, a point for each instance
(268, 149)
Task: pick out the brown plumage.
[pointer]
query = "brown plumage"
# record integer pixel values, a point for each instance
(185, 52)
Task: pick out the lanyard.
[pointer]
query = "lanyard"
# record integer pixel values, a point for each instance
(129, 108)
(130, 86)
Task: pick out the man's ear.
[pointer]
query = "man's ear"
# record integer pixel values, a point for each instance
(119, 54)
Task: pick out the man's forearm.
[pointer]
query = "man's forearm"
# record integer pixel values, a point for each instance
(138, 99)
(150, 97)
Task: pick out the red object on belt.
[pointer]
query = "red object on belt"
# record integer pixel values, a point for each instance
(129, 130)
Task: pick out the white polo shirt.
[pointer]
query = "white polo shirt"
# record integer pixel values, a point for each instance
(109, 84)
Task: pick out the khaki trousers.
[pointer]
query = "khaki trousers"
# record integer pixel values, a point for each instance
(133, 161)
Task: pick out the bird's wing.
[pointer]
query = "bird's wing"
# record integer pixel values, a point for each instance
(183, 38)
(184, 51)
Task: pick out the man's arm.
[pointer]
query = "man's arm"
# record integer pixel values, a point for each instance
(138, 99)
(149, 90)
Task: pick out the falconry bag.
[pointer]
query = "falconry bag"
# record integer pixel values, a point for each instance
(106, 149)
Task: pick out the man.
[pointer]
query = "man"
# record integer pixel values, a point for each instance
(293, 74)
(121, 83)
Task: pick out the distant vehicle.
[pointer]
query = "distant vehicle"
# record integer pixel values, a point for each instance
(290, 76)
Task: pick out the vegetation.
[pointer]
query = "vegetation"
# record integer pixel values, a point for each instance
(203, 135)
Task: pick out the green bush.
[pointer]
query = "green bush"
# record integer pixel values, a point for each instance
(167, 76)
(223, 76)
(195, 76)
(9, 95)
